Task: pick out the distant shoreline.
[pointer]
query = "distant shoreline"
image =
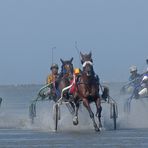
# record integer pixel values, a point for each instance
(28, 85)
(20, 85)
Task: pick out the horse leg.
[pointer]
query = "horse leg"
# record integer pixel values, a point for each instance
(75, 119)
(86, 104)
(99, 110)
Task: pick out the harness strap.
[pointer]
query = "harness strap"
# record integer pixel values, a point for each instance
(87, 62)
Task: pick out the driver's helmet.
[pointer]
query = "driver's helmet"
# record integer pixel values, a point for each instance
(76, 71)
(133, 69)
(54, 66)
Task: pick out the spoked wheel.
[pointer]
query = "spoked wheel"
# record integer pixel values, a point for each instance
(32, 111)
(127, 106)
(0, 101)
(114, 117)
(56, 116)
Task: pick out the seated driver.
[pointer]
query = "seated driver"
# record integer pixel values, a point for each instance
(134, 73)
(134, 78)
(51, 79)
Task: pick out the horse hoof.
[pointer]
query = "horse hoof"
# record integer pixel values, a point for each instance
(97, 129)
(75, 121)
(100, 128)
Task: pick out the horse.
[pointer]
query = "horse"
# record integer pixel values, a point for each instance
(64, 80)
(87, 85)
(65, 75)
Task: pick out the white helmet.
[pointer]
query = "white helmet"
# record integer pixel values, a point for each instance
(133, 69)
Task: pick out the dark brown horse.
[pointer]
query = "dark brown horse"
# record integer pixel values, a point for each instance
(64, 80)
(61, 82)
(88, 90)
(66, 74)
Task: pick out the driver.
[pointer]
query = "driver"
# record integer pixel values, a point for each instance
(54, 74)
(51, 79)
(144, 84)
(134, 74)
(134, 79)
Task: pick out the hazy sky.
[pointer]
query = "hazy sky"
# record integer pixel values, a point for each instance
(116, 31)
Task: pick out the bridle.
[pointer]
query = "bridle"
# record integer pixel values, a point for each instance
(87, 62)
(89, 71)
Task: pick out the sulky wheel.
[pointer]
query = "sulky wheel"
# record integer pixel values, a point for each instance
(32, 112)
(114, 117)
(56, 116)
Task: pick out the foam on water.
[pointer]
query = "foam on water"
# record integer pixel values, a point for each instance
(137, 118)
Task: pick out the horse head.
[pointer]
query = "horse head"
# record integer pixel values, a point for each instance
(87, 63)
(67, 67)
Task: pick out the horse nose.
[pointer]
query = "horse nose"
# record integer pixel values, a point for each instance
(88, 73)
(67, 67)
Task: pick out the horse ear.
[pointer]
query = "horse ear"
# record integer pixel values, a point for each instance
(71, 60)
(90, 54)
(62, 61)
(81, 54)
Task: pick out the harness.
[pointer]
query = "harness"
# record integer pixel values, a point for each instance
(87, 62)
(145, 80)
(73, 82)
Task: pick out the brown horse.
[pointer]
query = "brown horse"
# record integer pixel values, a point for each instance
(64, 80)
(88, 90)
(66, 74)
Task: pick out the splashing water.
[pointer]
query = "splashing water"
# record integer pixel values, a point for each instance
(14, 112)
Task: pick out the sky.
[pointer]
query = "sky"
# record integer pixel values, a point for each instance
(116, 31)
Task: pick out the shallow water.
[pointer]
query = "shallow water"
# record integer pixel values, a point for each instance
(16, 138)
(16, 130)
